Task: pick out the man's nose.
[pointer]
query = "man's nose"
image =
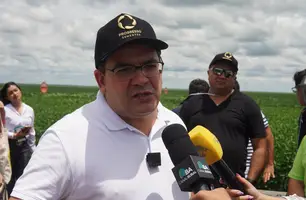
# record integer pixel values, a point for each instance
(139, 78)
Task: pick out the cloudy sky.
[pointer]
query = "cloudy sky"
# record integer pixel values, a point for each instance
(53, 40)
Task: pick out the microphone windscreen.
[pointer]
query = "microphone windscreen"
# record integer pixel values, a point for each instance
(178, 143)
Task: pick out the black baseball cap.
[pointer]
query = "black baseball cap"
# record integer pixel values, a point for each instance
(225, 57)
(123, 29)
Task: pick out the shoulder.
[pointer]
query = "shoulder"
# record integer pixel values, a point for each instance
(177, 109)
(28, 107)
(71, 122)
(193, 103)
(246, 100)
(303, 143)
(7, 106)
(169, 116)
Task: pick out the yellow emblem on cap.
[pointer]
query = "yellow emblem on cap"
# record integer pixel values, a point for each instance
(227, 56)
(126, 27)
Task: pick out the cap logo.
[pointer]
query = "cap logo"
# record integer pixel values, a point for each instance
(127, 29)
(125, 26)
(227, 56)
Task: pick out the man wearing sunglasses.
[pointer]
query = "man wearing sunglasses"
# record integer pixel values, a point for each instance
(231, 115)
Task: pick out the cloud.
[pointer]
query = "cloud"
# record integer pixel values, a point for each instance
(54, 40)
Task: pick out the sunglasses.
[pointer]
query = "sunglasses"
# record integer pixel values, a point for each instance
(226, 72)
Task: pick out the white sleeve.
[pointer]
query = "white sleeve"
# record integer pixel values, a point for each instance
(31, 136)
(293, 197)
(48, 174)
(10, 134)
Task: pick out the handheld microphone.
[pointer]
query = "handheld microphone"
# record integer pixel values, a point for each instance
(190, 170)
(209, 146)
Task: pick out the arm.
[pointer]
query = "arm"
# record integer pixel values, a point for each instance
(31, 134)
(47, 175)
(270, 140)
(257, 134)
(254, 193)
(258, 158)
(296, 174)
(269, 169)
(295, 187)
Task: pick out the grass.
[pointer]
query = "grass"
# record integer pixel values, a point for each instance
(281, 109)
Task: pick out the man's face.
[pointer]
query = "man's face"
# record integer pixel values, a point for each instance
(221, 76)
(132, 93)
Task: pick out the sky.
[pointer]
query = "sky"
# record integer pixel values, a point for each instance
(53, 40)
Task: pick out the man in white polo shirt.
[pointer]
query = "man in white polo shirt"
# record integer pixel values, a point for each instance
(99, 151)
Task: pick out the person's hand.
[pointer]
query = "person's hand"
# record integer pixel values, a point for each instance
(249, 188)
(268, 172)
(26, 130)
(22, 133)
(216, 194)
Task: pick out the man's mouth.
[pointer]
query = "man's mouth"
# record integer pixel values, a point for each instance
(142, 94)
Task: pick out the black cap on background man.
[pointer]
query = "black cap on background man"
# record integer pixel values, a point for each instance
(227, 58)
(123, 29)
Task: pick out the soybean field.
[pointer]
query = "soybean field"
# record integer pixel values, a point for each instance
(281, 110)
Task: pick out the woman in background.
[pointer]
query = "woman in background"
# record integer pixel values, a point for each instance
(19, 121)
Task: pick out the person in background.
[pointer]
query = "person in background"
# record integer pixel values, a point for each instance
(19, 121)
(299, 80)
(196, 86)
(297, 174)
(269, 168)
(232, 116)
(5, 166)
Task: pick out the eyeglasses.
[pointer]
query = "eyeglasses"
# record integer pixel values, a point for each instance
(219, 71)
(124, 73)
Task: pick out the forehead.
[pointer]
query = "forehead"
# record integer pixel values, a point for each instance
(134, 54)
(12, 88)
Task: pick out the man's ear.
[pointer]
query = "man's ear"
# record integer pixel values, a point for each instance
(100, 79)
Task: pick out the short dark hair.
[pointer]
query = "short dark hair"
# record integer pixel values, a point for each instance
(237, 86)
(3, 92)
(298, 77)
(198, 85)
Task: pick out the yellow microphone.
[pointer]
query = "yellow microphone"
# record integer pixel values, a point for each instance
(209, 146)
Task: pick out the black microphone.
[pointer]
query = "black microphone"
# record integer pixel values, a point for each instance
(190, 170)
(228, 176)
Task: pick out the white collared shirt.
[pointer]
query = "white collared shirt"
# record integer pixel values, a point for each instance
(93, 154)
(14, 121)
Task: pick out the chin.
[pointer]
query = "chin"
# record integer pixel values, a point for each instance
(144, 110)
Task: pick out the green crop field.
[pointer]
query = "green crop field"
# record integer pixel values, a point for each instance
(282, 111)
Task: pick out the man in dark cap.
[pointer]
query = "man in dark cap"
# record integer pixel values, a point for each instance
(231, 115)
(111, 148)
